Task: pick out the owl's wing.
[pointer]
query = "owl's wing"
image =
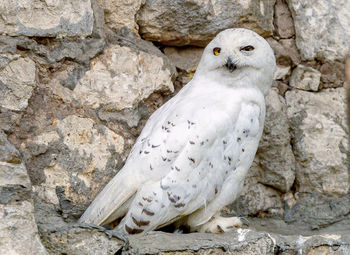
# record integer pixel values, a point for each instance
(210, 154)
(147, 161)
(181, 136)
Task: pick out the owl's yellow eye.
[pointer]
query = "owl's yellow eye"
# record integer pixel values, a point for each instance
(247, 48)
(216, 51)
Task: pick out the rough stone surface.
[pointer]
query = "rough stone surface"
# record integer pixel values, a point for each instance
(80, 241)
(185, 58)
(198, 21)
(275, 152)
(317, 211)
(323, 29)
(119, 78)
(283, 20)
(18, 230)
(332, 74)
(256, 200)
(46, 18)
(320, 141)
(72, 160)
(17, 81)
(285, 51)
(120, 14)
(305, 78)
(77, 84)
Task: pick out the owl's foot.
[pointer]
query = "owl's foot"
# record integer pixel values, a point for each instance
(219, 224)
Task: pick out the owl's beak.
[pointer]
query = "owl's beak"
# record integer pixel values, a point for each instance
(230, 65)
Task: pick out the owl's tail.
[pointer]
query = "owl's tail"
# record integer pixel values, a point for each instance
(112, 202)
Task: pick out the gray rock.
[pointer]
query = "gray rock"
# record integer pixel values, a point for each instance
(285, 51)
(320, 140)
(78, 241)
(323, 29)
(332, 74)
(317, 211)
(257, 200)
(72, 161)
(42, 18)
(119, 79)
(121, 13)
(283, 20)
(18, 231)
(184, 58)
(305, 78)
(17, 81)
(197, 21)
(275, 155)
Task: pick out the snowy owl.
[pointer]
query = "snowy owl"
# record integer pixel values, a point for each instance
(194, 152)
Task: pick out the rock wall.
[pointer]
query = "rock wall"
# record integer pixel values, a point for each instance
(78, 80)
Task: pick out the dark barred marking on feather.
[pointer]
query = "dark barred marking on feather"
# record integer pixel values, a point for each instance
(133, 230)
(149, 213)
(147, 199)
(140, 223)
(179, 205)
(192, 159)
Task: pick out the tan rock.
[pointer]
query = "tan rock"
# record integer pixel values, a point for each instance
(119, 14)
(283, 20)
(81, 241)
(184, 58)
(83, 163)
(196, 22)
(46, 18)
(323, 29)
(320, 140)
(285, 51)
(18, 231)
(332, 74)
(119, 78)
(305, 78)
(17, 81)
(275, 155)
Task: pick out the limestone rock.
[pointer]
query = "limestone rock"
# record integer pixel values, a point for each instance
(46, 18)
(320, 140)
(184, 58)
(332, 74)
(80, 241)
(282, 72)
(275, 152)
(119, 14)
(285, 51)
(257, 199)
(323, 29)
(72, 160)
(18, 231)
(196, 22)
(118, 79)
(319, 211)
(17, 81)
(305, 78)
(283, 20)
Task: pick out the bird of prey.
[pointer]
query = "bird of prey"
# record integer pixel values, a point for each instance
(194, 152)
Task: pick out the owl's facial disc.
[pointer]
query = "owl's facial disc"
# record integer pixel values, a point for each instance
(230, 65)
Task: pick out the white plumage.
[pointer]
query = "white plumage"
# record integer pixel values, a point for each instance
(193, 154)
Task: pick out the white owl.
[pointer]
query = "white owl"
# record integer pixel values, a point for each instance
(194, 152)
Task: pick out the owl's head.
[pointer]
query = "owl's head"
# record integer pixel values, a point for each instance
(238, 53)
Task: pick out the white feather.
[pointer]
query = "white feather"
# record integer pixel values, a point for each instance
(194, 152)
